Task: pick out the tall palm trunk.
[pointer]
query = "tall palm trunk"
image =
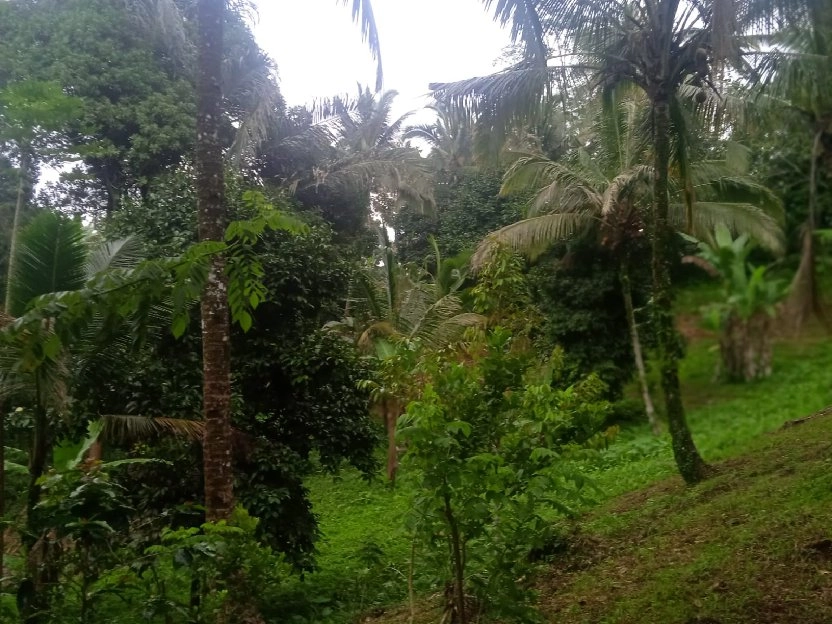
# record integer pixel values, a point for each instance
(7, 305)
(216, 353)
(627, 294)
(804, 297)
(688, 460)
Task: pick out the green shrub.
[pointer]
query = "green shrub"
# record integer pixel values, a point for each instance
(491, 457)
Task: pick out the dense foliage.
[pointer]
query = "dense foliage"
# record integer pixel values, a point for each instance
(213, 302)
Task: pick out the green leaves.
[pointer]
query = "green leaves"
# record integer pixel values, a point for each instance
(246, 290)
(30, 107)
(492, 456)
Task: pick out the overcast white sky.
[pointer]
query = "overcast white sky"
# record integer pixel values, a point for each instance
(319, 52)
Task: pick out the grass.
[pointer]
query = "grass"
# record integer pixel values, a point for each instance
(749, 545)
(650, 550)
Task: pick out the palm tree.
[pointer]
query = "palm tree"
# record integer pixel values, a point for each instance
(352, 148)
(658, 45)
(394, 313)
(54, 254)
(602, 193)
(450, 137)
(212, 218)
(212, 221)
(794, 73)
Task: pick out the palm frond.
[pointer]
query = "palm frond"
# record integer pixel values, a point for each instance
(621, 187)
(266, 103)
(736, 217)
(124, 253)
(126, 429)
(362, 14)
(502, 102)
(533, 236)
(526, 26)
(443, 322)
(560, 186)
(51, 257)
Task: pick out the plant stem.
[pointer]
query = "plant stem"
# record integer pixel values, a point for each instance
(456, 551)
(649, 408)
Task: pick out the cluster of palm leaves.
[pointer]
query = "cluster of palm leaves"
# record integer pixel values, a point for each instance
(352, 146)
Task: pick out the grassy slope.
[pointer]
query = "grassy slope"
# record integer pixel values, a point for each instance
(751, 545)
(652, 578)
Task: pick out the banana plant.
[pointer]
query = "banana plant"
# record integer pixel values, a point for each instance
(749, 303)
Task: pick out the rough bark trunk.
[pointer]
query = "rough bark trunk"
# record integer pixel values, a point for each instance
(216, 353)
(804, 295)
(690, 464)
(649, 408)
(745, 347)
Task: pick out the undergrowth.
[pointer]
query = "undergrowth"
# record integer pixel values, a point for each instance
(364, 557)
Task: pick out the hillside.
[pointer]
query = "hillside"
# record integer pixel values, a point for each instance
(752, 545)
(745, 546)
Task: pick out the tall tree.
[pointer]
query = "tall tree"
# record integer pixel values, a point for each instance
(212, 218)
(794, 73)
(602, 191)
(657, 45)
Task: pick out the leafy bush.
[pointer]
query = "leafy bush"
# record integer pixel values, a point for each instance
(491, 456)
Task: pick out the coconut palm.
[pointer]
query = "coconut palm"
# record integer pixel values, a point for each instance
(450, 138)
(352, 147)
(657, 45)
(603, 194)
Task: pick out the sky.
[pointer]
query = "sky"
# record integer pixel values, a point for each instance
(319, 51)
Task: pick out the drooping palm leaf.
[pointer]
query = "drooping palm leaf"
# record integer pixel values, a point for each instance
(363, 15)
(736, 217)
(120, 429)
(534, 235)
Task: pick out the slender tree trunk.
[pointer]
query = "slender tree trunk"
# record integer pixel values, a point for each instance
(456, 553)
(216, 353)
(7, 305)
(23, 178)
(391, 415)
(2, 492)
(39, 555)
(804, 297)
(688, 460)
(627, 293)
(37, 462)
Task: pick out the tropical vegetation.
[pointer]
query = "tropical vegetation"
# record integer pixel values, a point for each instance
(226, 319)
